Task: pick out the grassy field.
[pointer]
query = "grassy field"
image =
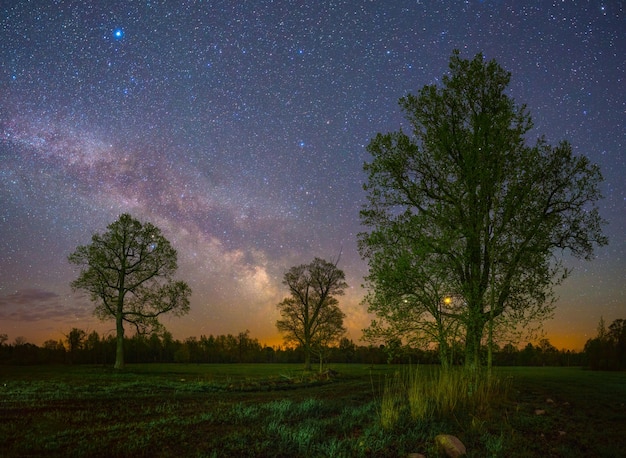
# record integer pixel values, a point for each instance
(278, 410)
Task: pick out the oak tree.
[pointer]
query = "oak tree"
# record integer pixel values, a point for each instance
(127, 272)
(310, 315)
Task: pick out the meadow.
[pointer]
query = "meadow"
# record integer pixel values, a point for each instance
(277, 410)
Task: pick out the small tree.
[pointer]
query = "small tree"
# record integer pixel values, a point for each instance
(310, 315)
(75, 340)
(127, 271)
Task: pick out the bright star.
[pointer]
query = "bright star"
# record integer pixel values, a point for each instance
(118, 34)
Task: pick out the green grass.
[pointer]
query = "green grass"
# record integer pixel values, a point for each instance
(428, 393)
(585, 412)
(279, 410)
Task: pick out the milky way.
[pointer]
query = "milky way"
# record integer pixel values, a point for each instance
(239, 128)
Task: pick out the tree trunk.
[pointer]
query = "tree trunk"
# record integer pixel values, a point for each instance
(444, 354)
(307, 359)
(119, 353)
(490, 344)
(472, 343)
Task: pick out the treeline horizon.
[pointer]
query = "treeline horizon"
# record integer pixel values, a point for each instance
(80, 347)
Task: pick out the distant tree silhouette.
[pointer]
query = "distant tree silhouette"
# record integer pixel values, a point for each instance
(607, 351)
(310, 315)
(75, 339)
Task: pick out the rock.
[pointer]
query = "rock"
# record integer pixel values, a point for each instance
(451, 445)
(415, 455)
(540, 412)
(549, 401)
(328, 375)
(562, 433)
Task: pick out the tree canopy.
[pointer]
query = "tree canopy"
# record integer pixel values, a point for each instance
(310, 315)
(127, 272)
(463, 206)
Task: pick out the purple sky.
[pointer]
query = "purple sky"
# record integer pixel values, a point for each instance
(239, 128)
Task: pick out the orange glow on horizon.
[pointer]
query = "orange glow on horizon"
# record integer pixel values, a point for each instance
(573, 339)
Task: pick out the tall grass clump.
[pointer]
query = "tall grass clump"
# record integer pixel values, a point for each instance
(392, 400)
(419, 395)
(437, 393)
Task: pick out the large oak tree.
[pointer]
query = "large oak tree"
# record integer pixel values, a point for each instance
(463, 206)
(127, 272)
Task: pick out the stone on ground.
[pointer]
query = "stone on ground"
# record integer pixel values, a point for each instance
(451, 445)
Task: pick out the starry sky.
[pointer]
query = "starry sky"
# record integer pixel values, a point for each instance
(239, 128)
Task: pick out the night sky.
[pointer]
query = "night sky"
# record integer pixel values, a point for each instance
(239, 128)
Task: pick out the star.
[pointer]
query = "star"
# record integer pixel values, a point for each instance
(241, 133)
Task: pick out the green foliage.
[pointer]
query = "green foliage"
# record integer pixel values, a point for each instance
(462, 205)
(127, 272)
(494, 444)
